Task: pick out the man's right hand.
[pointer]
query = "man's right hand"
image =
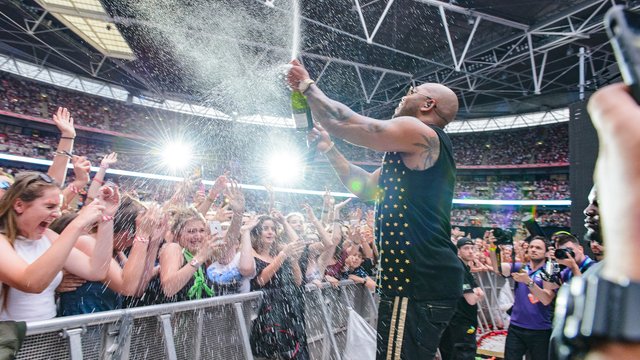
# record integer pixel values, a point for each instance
(319, 134)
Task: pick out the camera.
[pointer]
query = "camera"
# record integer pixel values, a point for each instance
(551, 272)
(503, 237)
(564, 254)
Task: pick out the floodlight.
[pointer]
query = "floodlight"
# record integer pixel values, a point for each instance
(284, 167)
(176, 155)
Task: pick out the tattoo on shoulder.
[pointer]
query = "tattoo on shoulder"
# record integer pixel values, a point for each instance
(430, 150)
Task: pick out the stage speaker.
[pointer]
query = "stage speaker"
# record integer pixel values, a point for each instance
(583, 151)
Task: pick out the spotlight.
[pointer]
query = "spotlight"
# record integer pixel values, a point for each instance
(284, 168)
(177, 155)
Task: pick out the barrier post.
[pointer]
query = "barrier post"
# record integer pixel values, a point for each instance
(75, 342)
(243, 331)
(167, 332)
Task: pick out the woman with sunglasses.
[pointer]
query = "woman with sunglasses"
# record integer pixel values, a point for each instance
(32, 256)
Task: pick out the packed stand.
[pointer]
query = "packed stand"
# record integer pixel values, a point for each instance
(513, 190)
(538, 145)
(507, 217)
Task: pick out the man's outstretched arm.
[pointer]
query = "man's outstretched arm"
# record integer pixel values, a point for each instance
(402, 134)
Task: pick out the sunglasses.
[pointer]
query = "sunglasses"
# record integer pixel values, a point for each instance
(4, 185)
(43, 177)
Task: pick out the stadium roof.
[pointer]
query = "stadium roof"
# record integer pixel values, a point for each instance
(501, 57)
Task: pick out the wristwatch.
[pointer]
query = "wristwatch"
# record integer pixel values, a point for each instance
(591, 309)
(195, 263)
(530, 284)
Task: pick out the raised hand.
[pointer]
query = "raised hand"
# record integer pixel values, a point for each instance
(340, 205)
(219, 185)
(110, 197)
(319, 134)
(81, 168)
(293, 249)
(249, 225)
(151, 221)
(90, 213)
(235, 196)
(223, 213)
(64, 122)
(297, 73)
(309, 211)
(109, 160)
(277, 216)
(355, 215)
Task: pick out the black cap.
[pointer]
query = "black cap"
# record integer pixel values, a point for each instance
(464, 241)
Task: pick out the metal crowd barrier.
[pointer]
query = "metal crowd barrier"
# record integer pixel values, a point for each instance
(490, 316)
(214, 328)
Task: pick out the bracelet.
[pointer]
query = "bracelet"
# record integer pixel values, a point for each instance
(104, 166)
(140, 239)
(67, 137)
(98, 181)
(330, 148)
(63, 153)
(106, 218)
(305, 84)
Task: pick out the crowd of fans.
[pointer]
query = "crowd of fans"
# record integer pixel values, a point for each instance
(506, 217)
(106, 243)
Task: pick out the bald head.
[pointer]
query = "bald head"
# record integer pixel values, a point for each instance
(446, 101)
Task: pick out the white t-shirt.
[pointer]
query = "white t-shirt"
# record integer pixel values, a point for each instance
(21, 306)
(227, 277)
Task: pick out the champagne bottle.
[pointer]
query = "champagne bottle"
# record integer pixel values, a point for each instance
(301, 112)
(303, 122)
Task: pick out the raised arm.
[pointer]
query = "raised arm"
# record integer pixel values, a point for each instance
(323, 234)
(64, 122)
(81, 169)
(98, 178)
(401, 134)
(357, 180)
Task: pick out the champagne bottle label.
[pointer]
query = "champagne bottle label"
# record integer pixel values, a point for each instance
(300, 111)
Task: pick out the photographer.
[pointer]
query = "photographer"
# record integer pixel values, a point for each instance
(570, 253)
(530, 327)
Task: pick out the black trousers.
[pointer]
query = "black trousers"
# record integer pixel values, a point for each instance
(409, 329)
(458, 342)
(521, 341)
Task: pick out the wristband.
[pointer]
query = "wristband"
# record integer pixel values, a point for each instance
(140, 239)
(104, 166)
(98, 181)
(305, 84)
(63, 153)
(67, 137)
(330, 148)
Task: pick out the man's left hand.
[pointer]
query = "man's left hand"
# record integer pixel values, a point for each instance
(521, 277)
(296, 74)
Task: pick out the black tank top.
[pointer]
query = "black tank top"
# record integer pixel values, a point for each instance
(417, 258)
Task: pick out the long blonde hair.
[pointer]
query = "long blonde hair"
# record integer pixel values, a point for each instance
(27, 187)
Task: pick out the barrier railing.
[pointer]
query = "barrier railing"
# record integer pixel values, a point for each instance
(215, 328)
(490, 315)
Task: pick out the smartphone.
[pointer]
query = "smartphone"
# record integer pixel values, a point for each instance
(623, 29)
(215, 227)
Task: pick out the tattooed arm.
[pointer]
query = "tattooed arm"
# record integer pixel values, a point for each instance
(404, 134)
